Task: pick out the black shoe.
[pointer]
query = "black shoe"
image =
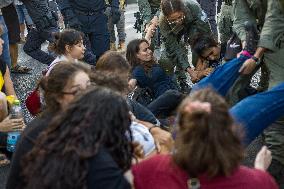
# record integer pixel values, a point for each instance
(184, 87)
(252, 37)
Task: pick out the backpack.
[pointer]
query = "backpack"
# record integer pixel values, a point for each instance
(142, 95)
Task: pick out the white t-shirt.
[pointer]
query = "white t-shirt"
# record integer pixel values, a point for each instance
(58, 59)
(142, 135)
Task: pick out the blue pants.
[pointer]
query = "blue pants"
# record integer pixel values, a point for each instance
(97, 35)
(33, 45)
(254, 113)
(23, 15)
(6, 52)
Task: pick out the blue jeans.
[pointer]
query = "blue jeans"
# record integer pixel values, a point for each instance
(97, 35)
(33, 45)
(23, 15)
(6, 52)
(254, 113)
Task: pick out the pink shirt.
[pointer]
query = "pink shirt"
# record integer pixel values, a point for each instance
(159, 172)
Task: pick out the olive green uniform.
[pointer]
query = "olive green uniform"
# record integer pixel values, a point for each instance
(149, 9)
(269, 16)
(176, 39)
(225, 22)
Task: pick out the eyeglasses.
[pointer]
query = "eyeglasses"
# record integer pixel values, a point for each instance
(176, 21)
(78, 89)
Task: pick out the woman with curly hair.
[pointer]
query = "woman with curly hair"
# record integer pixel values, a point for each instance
(66, 80)
(84, 147)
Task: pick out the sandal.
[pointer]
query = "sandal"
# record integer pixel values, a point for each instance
(4, 161)
(21, 69)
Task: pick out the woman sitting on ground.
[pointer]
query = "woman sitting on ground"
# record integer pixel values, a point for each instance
(208, 152)
(65, 81)
(113, 66)
(87, 146)
(146, 71)
(68, 45)
(6, 89)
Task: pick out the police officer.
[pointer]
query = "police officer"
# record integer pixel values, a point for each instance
(268, 16)
(45, 24)
(89, 17)
(120, 29)
(180, 21)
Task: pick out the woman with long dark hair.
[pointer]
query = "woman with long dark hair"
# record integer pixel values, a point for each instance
(146, 70)
(66, 80)
(87, 146)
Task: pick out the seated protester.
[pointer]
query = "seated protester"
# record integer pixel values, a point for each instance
(112, 63)
(210, 55)
(64, 82)
(146, 71)
(6, 89)
(82, 147)
(112, 69)
(208, 152)
(140, 133)
(68, 45)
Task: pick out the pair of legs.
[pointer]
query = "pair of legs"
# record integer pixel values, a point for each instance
(120, 31)
(24, 18)
(96, 35)
(35, 39)
(254, 113)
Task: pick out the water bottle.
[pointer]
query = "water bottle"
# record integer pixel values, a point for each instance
(15, 113)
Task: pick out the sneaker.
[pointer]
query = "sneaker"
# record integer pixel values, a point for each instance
(113, 47)
(252, 37)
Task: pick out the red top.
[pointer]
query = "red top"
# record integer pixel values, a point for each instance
(159, 172)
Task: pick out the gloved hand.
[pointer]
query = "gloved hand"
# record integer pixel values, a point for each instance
(70, 20)
(115, 15)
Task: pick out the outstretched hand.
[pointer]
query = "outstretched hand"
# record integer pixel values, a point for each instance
(263, 159)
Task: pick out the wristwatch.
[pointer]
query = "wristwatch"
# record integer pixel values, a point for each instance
(255, 59)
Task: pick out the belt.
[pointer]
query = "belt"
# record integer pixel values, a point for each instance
(87, 13)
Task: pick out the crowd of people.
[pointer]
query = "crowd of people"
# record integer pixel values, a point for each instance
(118, 116)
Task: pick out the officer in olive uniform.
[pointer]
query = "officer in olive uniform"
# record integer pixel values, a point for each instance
(177, 38)
(268, 15)
(150, 11)
(225, 22)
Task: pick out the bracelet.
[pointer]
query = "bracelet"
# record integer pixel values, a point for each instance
(255, 59)
(153, 127)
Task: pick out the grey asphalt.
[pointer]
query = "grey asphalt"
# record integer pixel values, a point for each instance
(24, 83)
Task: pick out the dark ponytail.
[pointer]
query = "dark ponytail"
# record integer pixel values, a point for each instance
(66, 37)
